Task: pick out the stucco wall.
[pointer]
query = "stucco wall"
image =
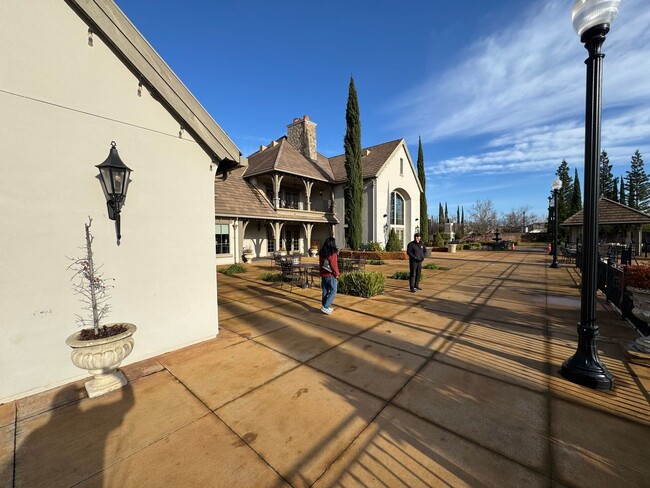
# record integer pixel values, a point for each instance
(62, 103)
(406, 183)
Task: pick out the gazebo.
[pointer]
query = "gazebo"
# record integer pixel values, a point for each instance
(611, 213)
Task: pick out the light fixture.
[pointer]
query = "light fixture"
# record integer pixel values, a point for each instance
(140, 88)
(591, 21)
(90, 37)
(555, 186)
(114, 176)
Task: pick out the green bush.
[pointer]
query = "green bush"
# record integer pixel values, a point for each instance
(271, 277)
(373, 246)
(362, 283)
(375, 261)
(394, 243)
(233, 269)
(404, 275)
(431, 266)
(438, 241)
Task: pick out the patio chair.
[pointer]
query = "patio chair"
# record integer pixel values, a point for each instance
(291, 275)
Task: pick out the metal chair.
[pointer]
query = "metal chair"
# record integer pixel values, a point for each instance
(290, 275)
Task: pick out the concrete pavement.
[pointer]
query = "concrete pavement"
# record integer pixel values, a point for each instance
(456, 385)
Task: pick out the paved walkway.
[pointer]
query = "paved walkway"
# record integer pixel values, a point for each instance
(456, 385)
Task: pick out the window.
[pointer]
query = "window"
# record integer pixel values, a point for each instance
(270, 241)
(401, 166)
(222, 238)
(396, 209)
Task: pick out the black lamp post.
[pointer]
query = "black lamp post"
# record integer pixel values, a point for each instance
(555, 186)
(591, 21)
(114, 175)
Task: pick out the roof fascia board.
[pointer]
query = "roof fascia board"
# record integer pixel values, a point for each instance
(125, 39)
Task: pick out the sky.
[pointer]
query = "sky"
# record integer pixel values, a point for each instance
(495, 89)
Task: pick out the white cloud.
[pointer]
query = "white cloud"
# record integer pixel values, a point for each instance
(524, 88)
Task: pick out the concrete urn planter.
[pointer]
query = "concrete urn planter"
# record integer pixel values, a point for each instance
(313, 252)
(101, 357)
(247, 256)
(641, 310)
(451, 247)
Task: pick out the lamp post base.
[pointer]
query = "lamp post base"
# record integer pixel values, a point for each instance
(554, 264)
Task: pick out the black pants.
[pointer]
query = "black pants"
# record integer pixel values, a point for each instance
(414, 273)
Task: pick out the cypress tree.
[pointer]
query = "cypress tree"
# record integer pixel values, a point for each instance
(353, 169)
(446, 213)
(576, 195)
(424, 215)
(441, 218)
(614, 195)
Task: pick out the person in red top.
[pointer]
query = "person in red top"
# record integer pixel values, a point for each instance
(329, 272)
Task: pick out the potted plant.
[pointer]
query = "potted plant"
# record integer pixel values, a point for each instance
(313, 249)
(98, 349)
(248, 254)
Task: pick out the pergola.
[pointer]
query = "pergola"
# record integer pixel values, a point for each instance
(611, 213)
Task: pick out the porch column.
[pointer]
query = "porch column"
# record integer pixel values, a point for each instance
(277, 179)
(308, 187)
(308, 229)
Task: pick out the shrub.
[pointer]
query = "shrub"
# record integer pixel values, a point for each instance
(233, 269)
(347, 253)
(372, 246)
(438, 241)
(404, 275)
(375, 261)
(271, 277)
(637, 276)
(362, 283)
(431, 266)
(394, 243)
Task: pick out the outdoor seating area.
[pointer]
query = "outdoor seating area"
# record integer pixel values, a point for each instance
(458, 384)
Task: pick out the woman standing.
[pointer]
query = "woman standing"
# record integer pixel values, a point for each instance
(329, 272)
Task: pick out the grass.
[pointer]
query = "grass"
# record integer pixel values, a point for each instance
(376, 261)
(233, 269)
(271, 277)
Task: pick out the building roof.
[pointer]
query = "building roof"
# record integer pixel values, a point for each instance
(236, 197)
(611, 212)
(282, 156)
(116, 30)
(373, 159)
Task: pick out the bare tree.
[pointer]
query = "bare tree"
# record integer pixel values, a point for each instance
(482, 218)
(516, 219)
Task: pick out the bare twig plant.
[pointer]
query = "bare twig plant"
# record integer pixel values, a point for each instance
(90, 284)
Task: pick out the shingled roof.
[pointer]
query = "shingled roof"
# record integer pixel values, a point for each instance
(372, 160)
(611, 212)
(282, 156)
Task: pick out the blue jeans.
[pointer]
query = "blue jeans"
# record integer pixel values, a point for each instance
(328, 286)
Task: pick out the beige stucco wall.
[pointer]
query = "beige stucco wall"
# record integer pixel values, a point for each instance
(389, 180)
(62, 103)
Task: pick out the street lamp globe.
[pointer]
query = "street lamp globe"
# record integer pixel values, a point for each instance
(586, 14)
(556, 185)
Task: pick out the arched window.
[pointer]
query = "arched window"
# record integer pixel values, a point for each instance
(396, 209)
(397, 214)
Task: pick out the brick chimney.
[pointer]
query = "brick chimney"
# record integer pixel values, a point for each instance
(301, 134)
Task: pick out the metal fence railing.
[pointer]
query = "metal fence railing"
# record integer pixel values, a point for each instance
(611, 281)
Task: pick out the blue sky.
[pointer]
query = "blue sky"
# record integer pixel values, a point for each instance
(495, 89)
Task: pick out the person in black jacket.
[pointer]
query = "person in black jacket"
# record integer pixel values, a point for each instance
(415, 251)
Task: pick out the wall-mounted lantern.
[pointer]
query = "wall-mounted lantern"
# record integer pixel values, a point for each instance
(114, 176)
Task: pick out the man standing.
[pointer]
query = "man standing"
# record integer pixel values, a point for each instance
(415, 250)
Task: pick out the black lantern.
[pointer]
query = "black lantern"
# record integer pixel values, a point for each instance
(114, 176)
(591, 21)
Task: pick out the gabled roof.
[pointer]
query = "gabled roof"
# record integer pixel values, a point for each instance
(116, 30)
(372, 161)
(282, 156)
(236, 197)
(611, 212)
